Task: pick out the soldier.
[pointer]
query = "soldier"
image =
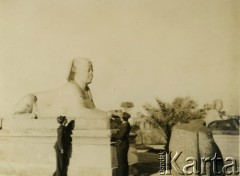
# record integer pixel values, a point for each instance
(68, 154)
(122, 145)
(60, 147)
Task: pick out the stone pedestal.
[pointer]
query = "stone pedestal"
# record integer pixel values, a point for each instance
(27, 149)
(196, 142)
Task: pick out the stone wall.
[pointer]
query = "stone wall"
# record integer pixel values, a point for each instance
(28, 150)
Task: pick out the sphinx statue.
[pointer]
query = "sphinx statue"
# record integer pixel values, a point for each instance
(73, 99)
(215, 112)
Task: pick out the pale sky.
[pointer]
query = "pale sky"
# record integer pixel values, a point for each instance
(140, 49)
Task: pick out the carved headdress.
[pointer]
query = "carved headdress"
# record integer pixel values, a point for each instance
(81, 62)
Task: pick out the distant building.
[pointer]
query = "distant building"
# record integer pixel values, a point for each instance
(147, 133)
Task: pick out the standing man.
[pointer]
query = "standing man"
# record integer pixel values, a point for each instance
(68, 152)
(122, 145)
(60, 147)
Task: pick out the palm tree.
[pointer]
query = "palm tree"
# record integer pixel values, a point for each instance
(166, 115)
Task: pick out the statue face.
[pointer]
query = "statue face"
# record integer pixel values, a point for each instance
(90, 73)
(83, 71)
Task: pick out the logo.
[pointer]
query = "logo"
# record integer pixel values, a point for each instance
(196, 166)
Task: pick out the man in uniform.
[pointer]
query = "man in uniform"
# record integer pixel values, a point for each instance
(122, 145)
(60, 147)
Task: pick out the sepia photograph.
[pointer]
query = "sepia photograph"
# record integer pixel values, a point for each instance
(119, 88)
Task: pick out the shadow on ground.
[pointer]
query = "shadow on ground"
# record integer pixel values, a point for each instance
(148, 162)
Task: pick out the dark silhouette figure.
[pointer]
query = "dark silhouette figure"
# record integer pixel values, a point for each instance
(68, 153)
(122, 145)
(60, 147)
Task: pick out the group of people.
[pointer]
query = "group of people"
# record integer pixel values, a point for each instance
(63, 145)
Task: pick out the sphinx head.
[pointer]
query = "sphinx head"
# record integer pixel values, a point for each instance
(81, 71)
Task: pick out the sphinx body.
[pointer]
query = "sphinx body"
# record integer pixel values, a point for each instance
(73, 99)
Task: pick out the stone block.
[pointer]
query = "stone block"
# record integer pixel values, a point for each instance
(196, 141)
(28, 151)
(51, 124)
